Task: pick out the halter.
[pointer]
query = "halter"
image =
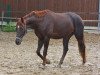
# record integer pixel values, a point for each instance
(24, 28)
(19, 38)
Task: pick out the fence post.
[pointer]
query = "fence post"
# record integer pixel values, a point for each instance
(99, 17)
(2, 20)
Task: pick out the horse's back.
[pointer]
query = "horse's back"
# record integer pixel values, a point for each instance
(61, 24)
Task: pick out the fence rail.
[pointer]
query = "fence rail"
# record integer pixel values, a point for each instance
(91, 21)
(12, 18)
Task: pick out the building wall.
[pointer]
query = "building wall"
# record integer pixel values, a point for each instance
(22, 7)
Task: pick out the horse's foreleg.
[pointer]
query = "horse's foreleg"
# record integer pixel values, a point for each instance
(65, 49)
(40, 44)
(46, 43)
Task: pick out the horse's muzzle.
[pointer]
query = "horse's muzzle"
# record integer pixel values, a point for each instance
(18, 41)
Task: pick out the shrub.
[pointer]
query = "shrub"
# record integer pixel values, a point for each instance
(11, 27)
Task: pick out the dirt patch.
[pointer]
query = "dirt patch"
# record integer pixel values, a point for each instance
(23, 60)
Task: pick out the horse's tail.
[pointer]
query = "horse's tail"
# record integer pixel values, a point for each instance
(79, 34)
(78, 24)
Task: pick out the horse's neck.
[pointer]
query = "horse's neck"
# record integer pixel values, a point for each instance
(31, 22)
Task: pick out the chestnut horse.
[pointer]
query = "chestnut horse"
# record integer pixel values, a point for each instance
(48, 24)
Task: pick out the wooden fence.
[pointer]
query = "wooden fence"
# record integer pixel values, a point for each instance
(87, 9)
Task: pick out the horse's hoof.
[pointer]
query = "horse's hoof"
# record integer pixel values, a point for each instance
(47, 61)
(58, 66)
(84, 62)
(42, 67)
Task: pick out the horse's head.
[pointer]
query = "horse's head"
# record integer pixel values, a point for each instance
(21, 30)
(30, 20)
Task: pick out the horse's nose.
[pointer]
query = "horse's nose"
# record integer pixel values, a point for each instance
(18, 41)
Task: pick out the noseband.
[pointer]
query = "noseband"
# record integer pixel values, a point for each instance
(19, 38)
(24, 27)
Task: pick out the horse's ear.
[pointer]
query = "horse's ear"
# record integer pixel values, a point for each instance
(22, 20)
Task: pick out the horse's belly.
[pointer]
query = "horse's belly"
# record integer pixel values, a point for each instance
(56, 36)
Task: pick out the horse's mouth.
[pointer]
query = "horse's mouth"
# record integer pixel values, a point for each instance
(18, 41)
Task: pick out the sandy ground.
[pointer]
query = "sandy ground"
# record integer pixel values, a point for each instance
(23, 60)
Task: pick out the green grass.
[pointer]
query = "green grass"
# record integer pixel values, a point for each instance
(11, 27)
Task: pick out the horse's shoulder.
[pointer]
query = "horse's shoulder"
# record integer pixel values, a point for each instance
(41, 13)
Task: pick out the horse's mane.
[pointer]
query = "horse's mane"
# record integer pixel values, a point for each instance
(37, 13)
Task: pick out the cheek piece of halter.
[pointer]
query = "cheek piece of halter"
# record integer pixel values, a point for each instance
(18, 38)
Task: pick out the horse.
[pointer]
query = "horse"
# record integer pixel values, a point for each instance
(50, 25)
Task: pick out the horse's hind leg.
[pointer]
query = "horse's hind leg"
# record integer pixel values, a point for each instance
(81, 46)
(65, 49)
